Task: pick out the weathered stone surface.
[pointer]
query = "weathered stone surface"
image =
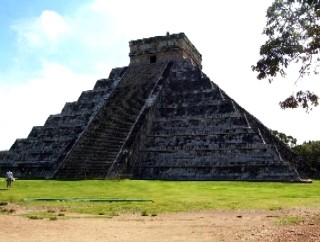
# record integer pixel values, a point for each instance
(163, 49)
(159, 118)
(198, 133)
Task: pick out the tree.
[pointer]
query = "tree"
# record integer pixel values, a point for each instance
(310, 152)
(293, 32)
(288, 140)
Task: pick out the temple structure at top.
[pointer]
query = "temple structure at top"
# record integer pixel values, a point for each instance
(162, 49)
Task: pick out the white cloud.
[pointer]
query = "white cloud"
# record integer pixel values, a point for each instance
(30, 104)
(53, 25)
(42, 32)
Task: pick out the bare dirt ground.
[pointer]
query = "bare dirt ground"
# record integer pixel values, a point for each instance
(189, 226)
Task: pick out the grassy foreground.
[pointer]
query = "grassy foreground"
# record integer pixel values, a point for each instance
(167, 196)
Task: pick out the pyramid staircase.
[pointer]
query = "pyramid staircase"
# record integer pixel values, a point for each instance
(104, 139)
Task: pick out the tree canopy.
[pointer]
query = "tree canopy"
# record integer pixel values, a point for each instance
(288, 140)
(293, 32)
(310, 152)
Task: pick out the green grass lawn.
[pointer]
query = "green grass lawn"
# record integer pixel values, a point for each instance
(167, 196)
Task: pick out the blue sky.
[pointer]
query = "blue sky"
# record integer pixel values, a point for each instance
(16, 12)
(51, 50)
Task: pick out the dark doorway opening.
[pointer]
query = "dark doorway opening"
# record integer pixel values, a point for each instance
(153, 59)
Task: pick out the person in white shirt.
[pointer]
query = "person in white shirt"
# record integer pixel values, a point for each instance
(9, 179)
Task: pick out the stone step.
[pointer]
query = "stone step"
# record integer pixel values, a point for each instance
(42, 132)
(207, 138)
(35, 148)
(205, 157)
(225, 107)
(109, 83)
(37, 157)
(204, 103)
(210, 147)
(76, 108)
(118, 127)
(198, 131)
(280, 172)
(91, 96)
(67, 120)
(195, 95)
(209, 163)
(199, 119)
(103, 84)
(208, 123)
(178, 85)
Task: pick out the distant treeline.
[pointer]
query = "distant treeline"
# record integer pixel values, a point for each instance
(309, 150)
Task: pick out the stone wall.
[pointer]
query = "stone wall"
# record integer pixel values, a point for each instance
(175, 47)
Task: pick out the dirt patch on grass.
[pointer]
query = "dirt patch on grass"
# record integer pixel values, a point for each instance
(257, 225)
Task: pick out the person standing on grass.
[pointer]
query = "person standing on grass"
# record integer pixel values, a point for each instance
(9, 179)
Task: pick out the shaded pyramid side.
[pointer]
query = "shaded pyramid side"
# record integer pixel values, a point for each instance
(196, 132)
(105, 139)
(41, 152)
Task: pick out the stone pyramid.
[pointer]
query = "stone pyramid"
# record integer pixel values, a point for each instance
(158, 118)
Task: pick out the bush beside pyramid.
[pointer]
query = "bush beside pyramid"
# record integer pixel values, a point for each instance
(158, 118)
